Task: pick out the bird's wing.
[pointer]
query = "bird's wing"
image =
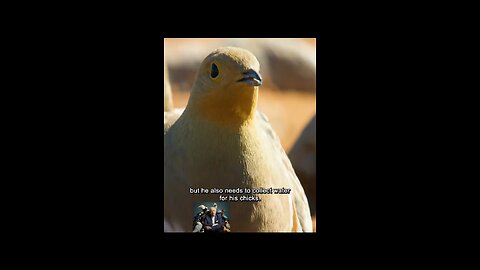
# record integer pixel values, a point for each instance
(300, 202)
(177, 203)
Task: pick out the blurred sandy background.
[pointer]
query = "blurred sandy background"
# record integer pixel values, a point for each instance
(287, 97)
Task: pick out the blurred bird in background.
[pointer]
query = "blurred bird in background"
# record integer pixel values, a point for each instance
(170, 114)
(167, 90)
(304, 159)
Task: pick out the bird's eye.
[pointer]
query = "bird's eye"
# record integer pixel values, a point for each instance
(214, 72)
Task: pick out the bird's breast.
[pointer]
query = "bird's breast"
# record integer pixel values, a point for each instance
(201, 155)
(211, 155)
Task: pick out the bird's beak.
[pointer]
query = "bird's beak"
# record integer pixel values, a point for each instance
(251, 77)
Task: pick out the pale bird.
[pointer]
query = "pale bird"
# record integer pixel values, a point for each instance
(170, 114)
(167, 90)
(221, 141)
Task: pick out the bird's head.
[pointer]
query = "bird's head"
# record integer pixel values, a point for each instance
(226, 86)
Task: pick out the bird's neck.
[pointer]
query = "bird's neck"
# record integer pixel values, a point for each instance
(233, 108)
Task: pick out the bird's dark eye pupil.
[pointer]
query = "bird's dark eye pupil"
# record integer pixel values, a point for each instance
(214, 72)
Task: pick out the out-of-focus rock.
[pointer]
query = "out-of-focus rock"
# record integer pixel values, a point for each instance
(286, 64)
(304, 157)
(169, 118)
(167, 91)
